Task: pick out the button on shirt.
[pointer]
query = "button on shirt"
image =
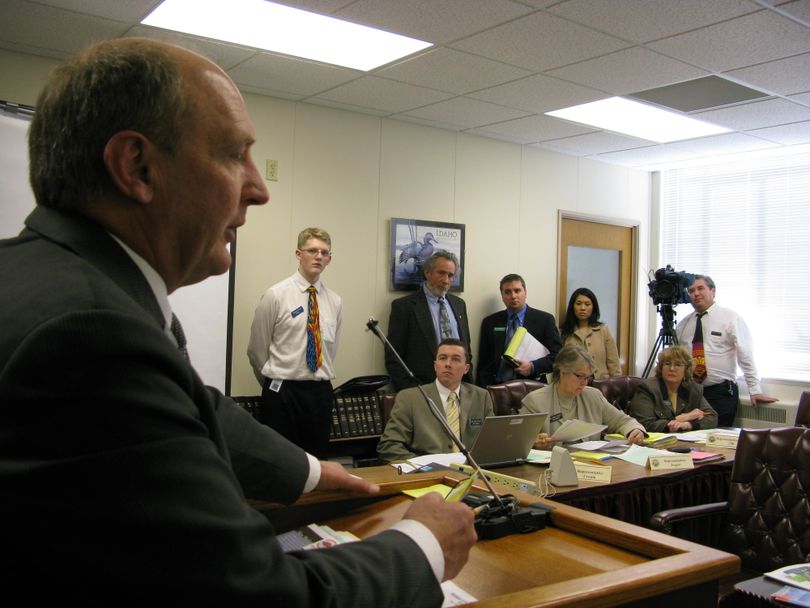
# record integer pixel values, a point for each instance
(278, 337)
(727, 343)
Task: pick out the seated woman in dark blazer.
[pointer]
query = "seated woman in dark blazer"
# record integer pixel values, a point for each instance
(671, 402)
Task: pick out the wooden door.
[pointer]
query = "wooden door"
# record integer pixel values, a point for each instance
(601, 256)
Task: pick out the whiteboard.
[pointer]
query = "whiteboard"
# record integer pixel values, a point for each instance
(202, 308)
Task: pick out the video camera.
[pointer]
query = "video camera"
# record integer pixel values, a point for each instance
(669, 287)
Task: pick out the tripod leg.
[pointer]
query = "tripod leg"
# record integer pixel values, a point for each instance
(651, 361)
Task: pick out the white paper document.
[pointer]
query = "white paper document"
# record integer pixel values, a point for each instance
(525, 346)
(638, 454)
(455, 595)
(539, 456)
(574, 430)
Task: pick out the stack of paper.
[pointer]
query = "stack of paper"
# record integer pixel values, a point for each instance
(525, 347)
(575, 430)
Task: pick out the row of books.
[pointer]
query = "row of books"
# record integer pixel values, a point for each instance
(356, 416)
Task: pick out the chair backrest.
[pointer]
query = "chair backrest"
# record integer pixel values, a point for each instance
(387, 405)
(507, 397)
(769, 509)
(618, 390)
(803, 412)
(252, 404)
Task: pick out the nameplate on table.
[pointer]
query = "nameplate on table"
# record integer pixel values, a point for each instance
(667, 462)
(722, 440)
(592, 472)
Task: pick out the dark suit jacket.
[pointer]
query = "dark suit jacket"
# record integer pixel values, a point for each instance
(538, 323)
(652, 408)
(122, 477)
(411, 333)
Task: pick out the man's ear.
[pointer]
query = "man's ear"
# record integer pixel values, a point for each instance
(127, 159)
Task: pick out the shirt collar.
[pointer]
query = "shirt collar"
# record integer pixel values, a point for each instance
(155, 281)
(444, 392)
(521, 314)
(303, 284)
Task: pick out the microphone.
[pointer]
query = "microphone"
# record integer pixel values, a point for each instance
(495, 518)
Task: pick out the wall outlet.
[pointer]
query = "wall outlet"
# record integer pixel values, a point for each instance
(271, 171)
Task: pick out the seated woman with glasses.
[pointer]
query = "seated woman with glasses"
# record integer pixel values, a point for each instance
(568, 398)
(671, 402)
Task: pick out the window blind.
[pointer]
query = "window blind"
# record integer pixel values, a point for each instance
(747, 225)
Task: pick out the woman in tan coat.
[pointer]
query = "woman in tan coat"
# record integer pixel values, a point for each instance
(582, 327)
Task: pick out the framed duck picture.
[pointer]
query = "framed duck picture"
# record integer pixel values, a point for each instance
(412, 244)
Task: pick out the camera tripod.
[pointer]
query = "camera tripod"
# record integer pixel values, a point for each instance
(666, 337)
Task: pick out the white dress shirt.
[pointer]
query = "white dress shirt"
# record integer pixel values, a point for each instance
(727, 344)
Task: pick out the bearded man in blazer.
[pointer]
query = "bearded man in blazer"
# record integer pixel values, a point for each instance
(492, 369)
(117, 464)
(415, 327)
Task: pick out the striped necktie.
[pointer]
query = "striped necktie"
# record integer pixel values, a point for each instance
(314, 354)
(452, 412)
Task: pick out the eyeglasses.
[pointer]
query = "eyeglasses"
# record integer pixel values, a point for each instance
(581, 377)
(672, 364)
(314, 251)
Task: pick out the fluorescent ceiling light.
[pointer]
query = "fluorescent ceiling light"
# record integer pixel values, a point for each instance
(638, 119)
(282, 29)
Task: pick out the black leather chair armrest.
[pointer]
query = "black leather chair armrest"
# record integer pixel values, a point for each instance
(663, 521)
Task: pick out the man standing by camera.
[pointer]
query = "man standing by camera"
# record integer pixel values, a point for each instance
(720, 342)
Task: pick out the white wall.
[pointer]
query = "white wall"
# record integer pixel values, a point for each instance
(350, 173)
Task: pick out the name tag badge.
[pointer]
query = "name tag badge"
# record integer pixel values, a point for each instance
(499, 329)
(476, 422)
(275, 385)
(297, 311)
(555, 417)
(717, 333)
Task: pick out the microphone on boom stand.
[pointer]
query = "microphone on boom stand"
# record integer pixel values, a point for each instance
(497, 517)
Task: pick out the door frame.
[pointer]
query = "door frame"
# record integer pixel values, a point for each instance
(634, 226)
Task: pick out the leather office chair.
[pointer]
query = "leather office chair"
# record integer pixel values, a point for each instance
(618, 390)
(387, 405)
(766, 519)
(507, 397)
(803, 413)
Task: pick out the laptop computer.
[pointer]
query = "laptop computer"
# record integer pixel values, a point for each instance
(505, 441)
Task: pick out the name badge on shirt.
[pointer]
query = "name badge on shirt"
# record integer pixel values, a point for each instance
(717, 333)
(275, 385)
(555, 417)
(499, 329)
(297, 311)
(476, 422)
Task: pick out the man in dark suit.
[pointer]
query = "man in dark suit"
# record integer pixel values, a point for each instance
(122, 477)
(421, 320)
(498, 328)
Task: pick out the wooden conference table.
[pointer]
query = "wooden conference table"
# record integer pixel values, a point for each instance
(635, 493)
(580, 559)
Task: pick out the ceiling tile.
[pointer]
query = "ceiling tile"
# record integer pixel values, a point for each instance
(724, 144)
(540, 42)
(381, 94)
(755, 115)
(120, 10)
(646, 20)
(627, 71)
(539, 94)
(787, 135)
(453, 71)
(296, 78)
(645, 157)
(597, 143)
(532, 129)
(52, 29)
(744, 41)
(465, 113)
(783, 76)
(432, 21)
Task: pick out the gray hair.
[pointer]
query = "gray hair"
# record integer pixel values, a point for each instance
(706, 278)
(569, 359)
(432, 260)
